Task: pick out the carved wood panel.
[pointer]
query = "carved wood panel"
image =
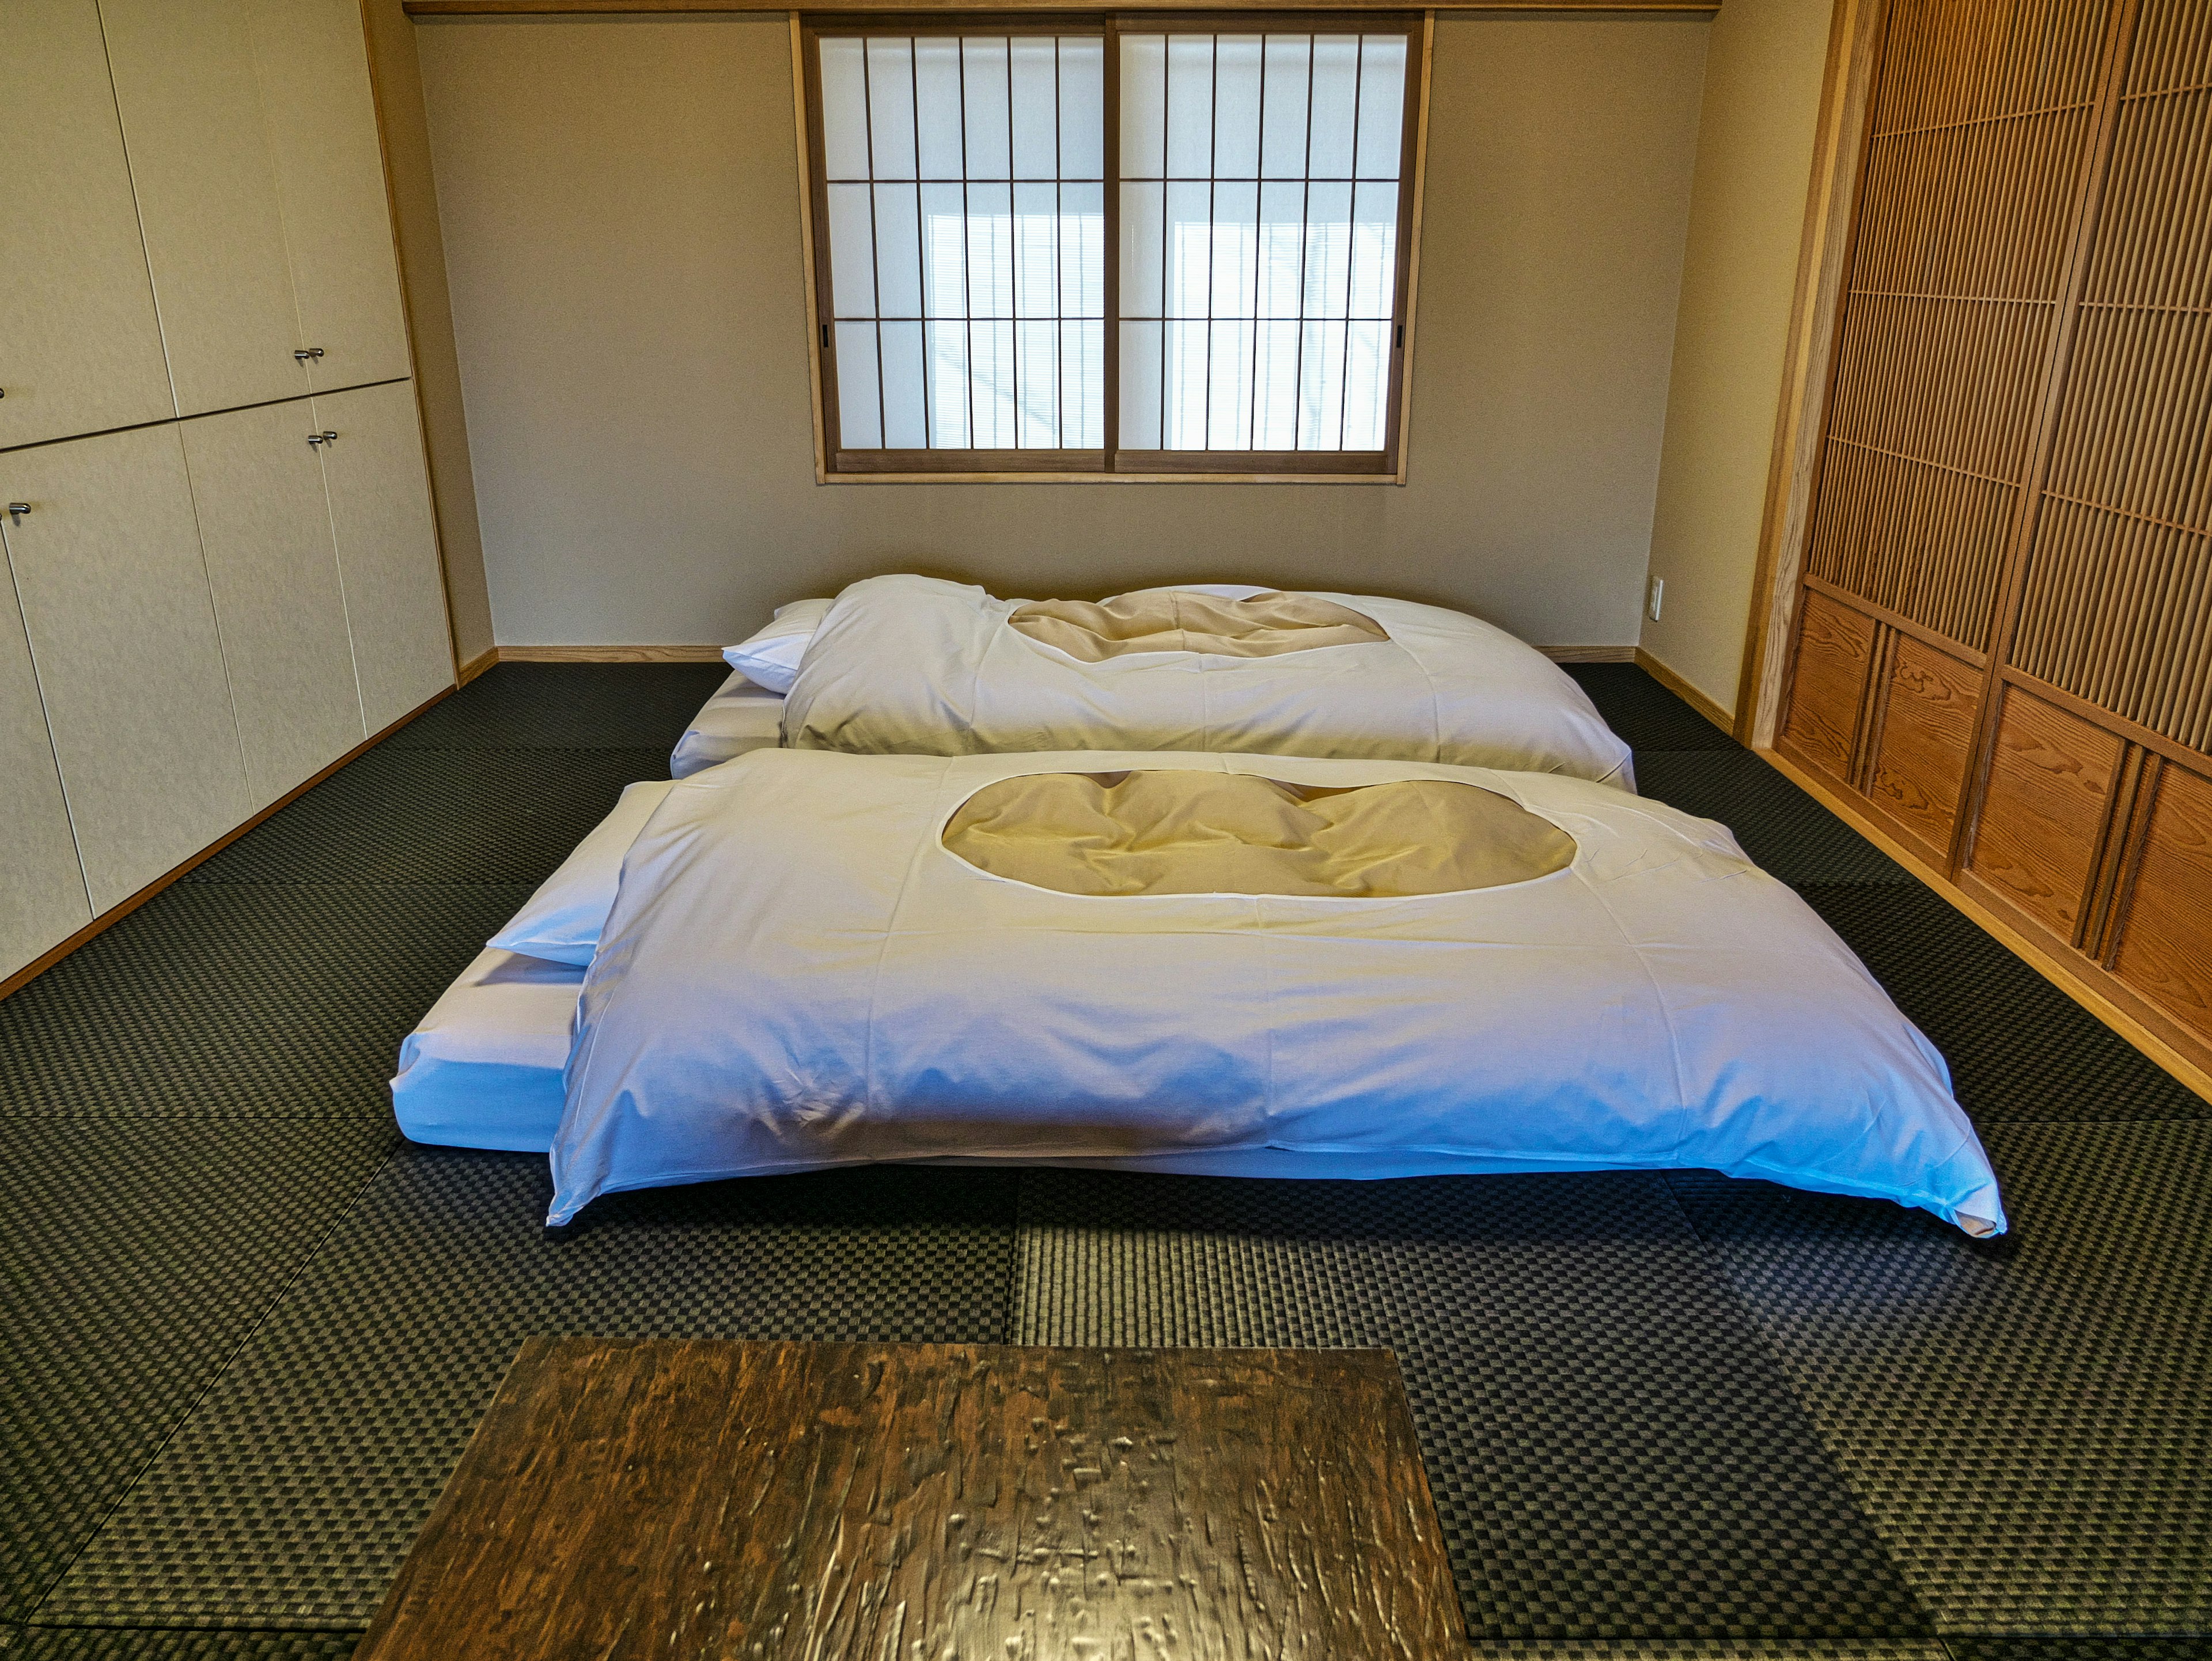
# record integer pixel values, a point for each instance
(1923, 741)
(2165, 945)
(1835, 654)
(2044, 817)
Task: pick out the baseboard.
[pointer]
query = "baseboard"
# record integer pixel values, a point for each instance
(2187, 1064)
(1683, 689)
(1590, 653)
(610, 654)
(115, 914)
(477, 665)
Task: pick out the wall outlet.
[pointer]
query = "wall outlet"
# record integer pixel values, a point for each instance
(1658, 591)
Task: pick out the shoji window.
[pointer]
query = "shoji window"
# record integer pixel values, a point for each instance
(1138, 247)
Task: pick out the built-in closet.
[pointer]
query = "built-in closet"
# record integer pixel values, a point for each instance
(2002, 641)
(222, 561)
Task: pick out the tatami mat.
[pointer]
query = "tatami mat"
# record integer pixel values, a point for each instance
(432, 816)
(1777, 824)
(1644, 713)
(137, 1256)
(568, 706)
(2018, 1048)
(1611, 1449)
(1655, 1410)
(2196, 1648)
(128, 1644)
(2028, 1422)
(288, 1496)
(247, 1000)
(1707, 1649)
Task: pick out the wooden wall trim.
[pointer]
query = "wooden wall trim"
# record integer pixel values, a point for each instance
(1590, 653)
(1681, 688)
(477, 665)
(631, 8)
(115, 914)
(1823, 259)
(2172, 1046)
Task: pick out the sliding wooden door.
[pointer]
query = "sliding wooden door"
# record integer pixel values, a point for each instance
(2002, 641)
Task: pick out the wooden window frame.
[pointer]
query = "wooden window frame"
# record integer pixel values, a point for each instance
(834, 464)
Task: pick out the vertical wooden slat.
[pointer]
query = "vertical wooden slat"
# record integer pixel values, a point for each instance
(2116, 594)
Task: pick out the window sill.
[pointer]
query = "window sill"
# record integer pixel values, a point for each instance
(824, 477)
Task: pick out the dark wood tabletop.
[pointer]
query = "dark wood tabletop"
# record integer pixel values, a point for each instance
(930, 1502)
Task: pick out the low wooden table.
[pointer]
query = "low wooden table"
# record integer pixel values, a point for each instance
(931, 1502)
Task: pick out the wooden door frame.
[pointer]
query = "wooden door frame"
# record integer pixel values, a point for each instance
(1839, 149)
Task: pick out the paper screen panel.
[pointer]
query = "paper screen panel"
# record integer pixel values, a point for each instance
(965, 181)
(1259, 195)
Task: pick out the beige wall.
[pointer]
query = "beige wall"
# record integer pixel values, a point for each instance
(1747, 219)
(620, 207)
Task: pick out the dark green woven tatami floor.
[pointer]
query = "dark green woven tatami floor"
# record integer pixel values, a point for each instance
(249, 1327)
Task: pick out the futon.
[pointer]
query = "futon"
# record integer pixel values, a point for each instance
(912, 665)
(740, 717)
(1197, 961)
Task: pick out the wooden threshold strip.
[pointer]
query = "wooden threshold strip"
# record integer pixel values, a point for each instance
(585, 8)
(122, 908)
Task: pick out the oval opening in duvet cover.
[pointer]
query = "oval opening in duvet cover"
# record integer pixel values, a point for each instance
(1172, 620)
(1179, 831)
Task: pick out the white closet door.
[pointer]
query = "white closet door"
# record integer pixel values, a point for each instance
(314, 61)
(388, 541)
(80, 349)
(42, 897)
(185, 84)
(115, 600)
(265, 525)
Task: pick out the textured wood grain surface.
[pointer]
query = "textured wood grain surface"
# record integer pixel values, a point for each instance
(632, 1498)
(1927, 728)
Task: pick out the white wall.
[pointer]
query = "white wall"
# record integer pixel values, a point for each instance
(1747, 221)
(620, 205)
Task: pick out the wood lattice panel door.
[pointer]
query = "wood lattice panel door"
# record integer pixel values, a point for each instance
(2109, 664)
(2004, 622)
(1979, 141)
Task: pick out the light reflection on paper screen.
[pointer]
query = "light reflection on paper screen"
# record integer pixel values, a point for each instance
(1259, 181)
(965, 177)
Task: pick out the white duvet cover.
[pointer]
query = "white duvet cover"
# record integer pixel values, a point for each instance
(912, 665)
(797, 973)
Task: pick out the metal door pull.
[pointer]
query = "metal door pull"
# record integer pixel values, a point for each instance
(322, 438)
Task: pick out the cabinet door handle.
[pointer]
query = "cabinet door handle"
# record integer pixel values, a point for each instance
(307, 354)
(17, 510)
(318, 439)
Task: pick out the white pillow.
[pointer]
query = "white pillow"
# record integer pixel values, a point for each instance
(562, 920)
(770, 657)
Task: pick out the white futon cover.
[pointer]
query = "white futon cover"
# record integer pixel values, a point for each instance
(798, 973)
(912, 665)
